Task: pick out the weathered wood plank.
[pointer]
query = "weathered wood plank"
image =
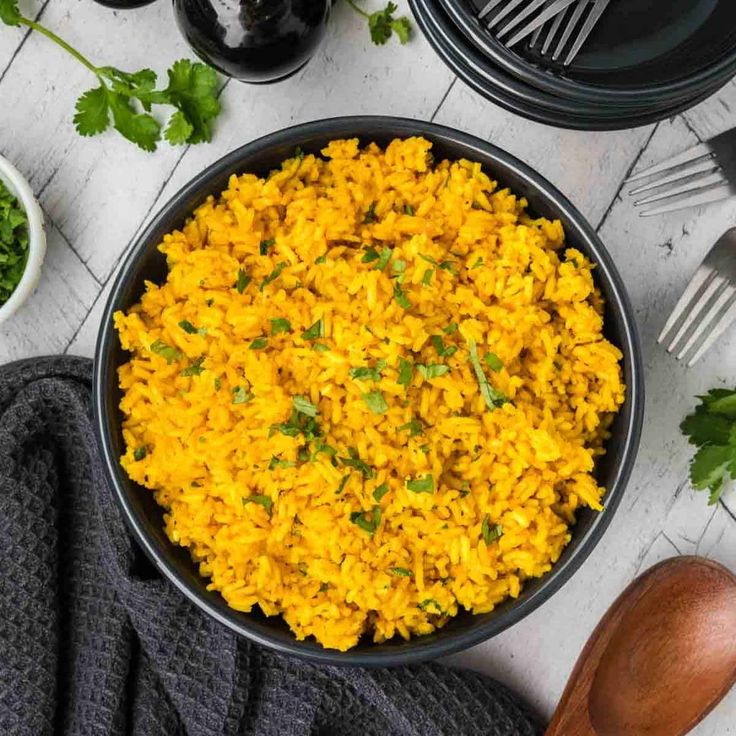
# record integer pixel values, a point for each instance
(45, 324)
(587, 167)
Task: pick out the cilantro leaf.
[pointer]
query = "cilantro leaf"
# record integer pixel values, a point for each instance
(178, 130)
(264, 501)
(354, 461)
(139, 128)
(92, 112)
(493, 362)
(195, 368)
(243, 280)
(402, 28)
(315, 331)
(414, 428)
(401, 572)
(721, 401)
(710, 469)
(375, 402)
(304, 406)
(366, 373)
(241, 396)
(433, 370)
(280, 325)
(367, 520)
(421, 485)
(278, 268)
(406, 371)
(139, 453)
(490, 532)
(9, 13)
(169, 353)
(491, 396)
(707, 429)
(380, 491)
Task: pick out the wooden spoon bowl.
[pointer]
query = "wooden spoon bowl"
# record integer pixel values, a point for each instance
(661, 658)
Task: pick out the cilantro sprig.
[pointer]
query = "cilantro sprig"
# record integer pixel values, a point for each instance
(13, 241)
(382, 24)
(125, 100)
(712, 429)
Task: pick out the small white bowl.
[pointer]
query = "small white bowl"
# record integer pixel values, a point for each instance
(18, 187)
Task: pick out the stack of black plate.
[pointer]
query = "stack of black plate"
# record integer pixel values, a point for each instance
(645, 60)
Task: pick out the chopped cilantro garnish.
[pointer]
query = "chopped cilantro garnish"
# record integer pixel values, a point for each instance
(273, 275)
(169, 353)
(264, 501)
(277, 462)
(370, 214)
(304, 406)
(315, 331)
(398, 266)
(425, 604)
(343, 482)
(383, 258)
(266, 245)
(477, 264)
(406, 371)
(402, 572)
(320, 347)
(259, 343)
(375, 402)
(491, 532)
(439, 346)
(491, 396)
(139, 453)
(365, 373)
(367, 520)
(354, 461)
(195, 368)
(408, 209)
(433, 370)
(218, 383)
(380, 491)
(242, 281)
(450, 329)
(321, 259)
(298, 153)
(448, 266)
(401, 299)
(241, 396)
(280, 325)
(493, 362)
(427, 278)
(190, 329)
(414, 428)
(370, 255)
(322, 447)
(421, 485)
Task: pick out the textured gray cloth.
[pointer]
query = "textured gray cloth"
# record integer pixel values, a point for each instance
(94, 641)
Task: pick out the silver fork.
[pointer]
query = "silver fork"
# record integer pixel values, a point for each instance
(708, 305)
(537, 13)
(703, 174)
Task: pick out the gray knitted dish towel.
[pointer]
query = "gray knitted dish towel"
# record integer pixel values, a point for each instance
(94, 641)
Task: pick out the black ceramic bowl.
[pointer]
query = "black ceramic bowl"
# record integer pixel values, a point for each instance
(646, 53)
(495, 84)
(145, 262)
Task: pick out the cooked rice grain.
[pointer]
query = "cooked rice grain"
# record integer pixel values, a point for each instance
(207, 386)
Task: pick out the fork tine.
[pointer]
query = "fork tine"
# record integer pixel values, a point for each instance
(697, 199)
(556, 7)
(691, 154)
(528, 10)
(723, 319)
(705, 320)
(570, 27)
(512, 5)
(590, 21)
(694, 290)
(553, 31)
(700, 307)
(487, 9)
(538, 32)
(700, 166)
(699, 182)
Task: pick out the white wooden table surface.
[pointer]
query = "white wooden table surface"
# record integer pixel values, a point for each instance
(97, 194)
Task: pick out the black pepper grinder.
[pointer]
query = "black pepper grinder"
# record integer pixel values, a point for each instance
(256, 41)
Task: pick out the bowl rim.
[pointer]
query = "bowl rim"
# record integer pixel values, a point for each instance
(21, 190)
(669, 92)
(352, 126)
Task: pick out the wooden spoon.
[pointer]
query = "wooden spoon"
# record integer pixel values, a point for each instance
(660, 659)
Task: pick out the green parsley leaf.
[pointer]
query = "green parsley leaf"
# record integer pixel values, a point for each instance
(266, 246)
(433, 370)
(241, 396)
(383, 258)
(279, 325)
(721, 401)
(92, 111)
(178, 130)
(343, 482)
(139, 453)
(273, 275)
(13, 243)
(414, 428)
(401, 572)
(367, 520)
(304, 406)
(243, 280)
(712, 467)
(370, 255)
(259, 343)
(9, 13)
(190, 329)
(421, 485)
(365, 373)
(401, 299)
(354, 461)
(277, 462)
(450, 329)
(375, 402)
(166, 351)
(195, 368)
(323, 447)
(370, 214)
(439, 346)
(406, 371)
(382, 25)
(264, 501)
(398, 266)
(427, 278)
(493, 362)
(491, 532)
(315, 331)
(491, 396)
(448, 266)
(380, 491)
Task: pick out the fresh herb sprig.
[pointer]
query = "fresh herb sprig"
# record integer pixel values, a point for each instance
(124, 100)
(382, 24)
(13, 243)
(712, 429)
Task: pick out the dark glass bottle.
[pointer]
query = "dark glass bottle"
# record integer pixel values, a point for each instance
(123, 4)
(256, 41)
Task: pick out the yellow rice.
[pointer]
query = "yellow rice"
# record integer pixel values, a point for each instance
(203, 443)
